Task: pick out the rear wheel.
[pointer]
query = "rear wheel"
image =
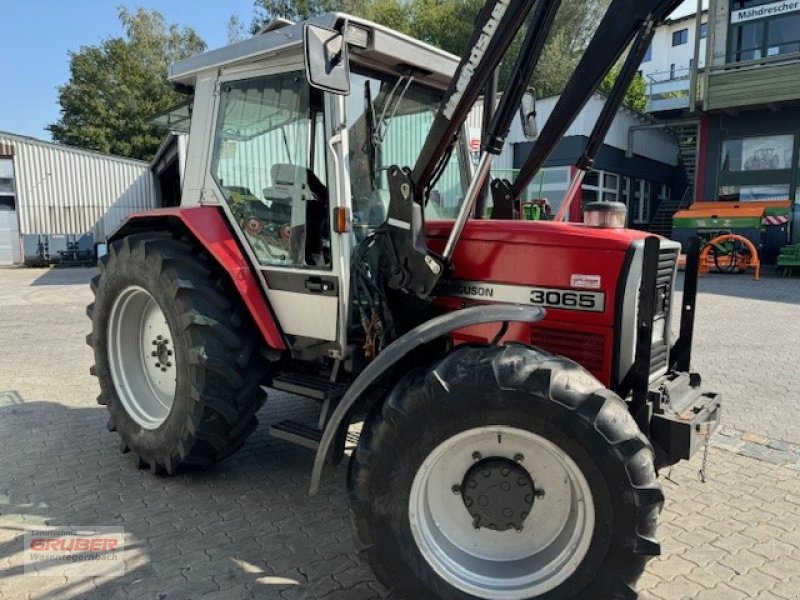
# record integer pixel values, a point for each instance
(177, 358)
(504, 473)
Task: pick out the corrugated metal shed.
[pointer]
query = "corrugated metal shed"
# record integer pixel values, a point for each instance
(66, 190)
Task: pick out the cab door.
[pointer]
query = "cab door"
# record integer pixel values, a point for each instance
(270, 163)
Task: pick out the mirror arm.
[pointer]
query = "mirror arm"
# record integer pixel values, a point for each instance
(541, 22)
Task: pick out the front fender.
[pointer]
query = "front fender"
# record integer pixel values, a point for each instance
(400, 348)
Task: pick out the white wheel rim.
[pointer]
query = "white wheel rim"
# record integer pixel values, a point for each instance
(141, 357)
(502, 565)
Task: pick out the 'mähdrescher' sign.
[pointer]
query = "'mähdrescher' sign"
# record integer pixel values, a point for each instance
(765, 10)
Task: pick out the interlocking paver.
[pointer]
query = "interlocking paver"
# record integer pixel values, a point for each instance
(246, 528)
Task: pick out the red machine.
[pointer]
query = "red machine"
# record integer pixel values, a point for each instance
(517, 381)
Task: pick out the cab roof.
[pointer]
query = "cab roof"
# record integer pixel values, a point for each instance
(386, 50)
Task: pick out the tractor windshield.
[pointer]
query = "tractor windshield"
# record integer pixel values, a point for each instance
(388, 120)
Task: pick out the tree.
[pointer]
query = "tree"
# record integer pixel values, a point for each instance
(636, 96)
(265, 11)
(118, 85)
(448, 24)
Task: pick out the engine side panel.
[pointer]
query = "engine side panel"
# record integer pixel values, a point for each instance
(210, 229)
(573, 272)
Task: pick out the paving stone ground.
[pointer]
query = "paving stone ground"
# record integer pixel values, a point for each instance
(247, 529)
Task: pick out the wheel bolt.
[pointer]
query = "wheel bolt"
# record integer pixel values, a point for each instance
(169, 364)
(456, 489)
(518, 457)
(159, 337)
(539, 493)
(154, 353)
(164, 369)
(155, 343)
(169, 352)
(476, 456)
(158, 364)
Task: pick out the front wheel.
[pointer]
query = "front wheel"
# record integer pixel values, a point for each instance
(504, 473)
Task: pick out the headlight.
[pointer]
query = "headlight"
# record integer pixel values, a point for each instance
(608, 215)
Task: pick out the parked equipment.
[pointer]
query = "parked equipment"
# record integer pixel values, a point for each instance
(730, 253)
(766, 224)
(789, 259)
(518, 380)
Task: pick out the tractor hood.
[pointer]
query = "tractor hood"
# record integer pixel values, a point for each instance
(539, 233)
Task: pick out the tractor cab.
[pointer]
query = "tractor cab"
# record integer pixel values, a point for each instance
(296, 157)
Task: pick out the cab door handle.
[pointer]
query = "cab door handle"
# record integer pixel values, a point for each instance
(318, 286)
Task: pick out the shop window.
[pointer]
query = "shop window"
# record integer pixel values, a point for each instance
(625, 191)
(679, 38)
(748, 40)
(783, 35)
(766, 153)
(641, 205)
(599, 185)
(754, 193)
(757, 168)
(592, 179)
(758, 38)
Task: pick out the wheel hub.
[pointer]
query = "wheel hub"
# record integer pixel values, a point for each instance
(498, 493)
(162, 355)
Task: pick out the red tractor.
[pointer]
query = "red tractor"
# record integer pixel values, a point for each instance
(518, 381)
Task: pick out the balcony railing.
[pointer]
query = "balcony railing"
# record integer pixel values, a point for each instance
(669, 90)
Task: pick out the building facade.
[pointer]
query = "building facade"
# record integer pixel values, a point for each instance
(739, 106)
(637, 165)
(54, 196)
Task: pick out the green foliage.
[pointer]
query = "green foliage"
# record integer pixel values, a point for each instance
(265, 11)
(448, 24)
(636, 97)
(116, 86)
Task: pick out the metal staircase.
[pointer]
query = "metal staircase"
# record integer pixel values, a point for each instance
(686, 132)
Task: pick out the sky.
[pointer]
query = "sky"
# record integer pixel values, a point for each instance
(36, 35)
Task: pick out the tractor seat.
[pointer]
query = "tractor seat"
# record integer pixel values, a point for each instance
(297, 197)
(292, 183)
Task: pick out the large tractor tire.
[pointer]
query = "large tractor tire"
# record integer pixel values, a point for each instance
(504, 473)
(178, 360)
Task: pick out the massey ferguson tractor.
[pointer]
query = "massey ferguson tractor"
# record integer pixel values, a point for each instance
(518, 381)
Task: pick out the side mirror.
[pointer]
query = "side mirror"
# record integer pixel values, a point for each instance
(327, 64)
(527, 114)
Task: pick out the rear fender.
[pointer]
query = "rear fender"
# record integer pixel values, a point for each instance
(383, 365)
(210, 230)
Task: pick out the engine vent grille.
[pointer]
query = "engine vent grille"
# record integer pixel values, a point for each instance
(667, 260)
(586, 349)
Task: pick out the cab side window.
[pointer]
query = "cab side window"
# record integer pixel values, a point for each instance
(269, 162)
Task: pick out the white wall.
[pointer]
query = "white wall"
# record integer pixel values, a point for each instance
(664, 54)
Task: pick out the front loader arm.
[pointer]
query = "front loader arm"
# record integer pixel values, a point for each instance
(407, 263)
